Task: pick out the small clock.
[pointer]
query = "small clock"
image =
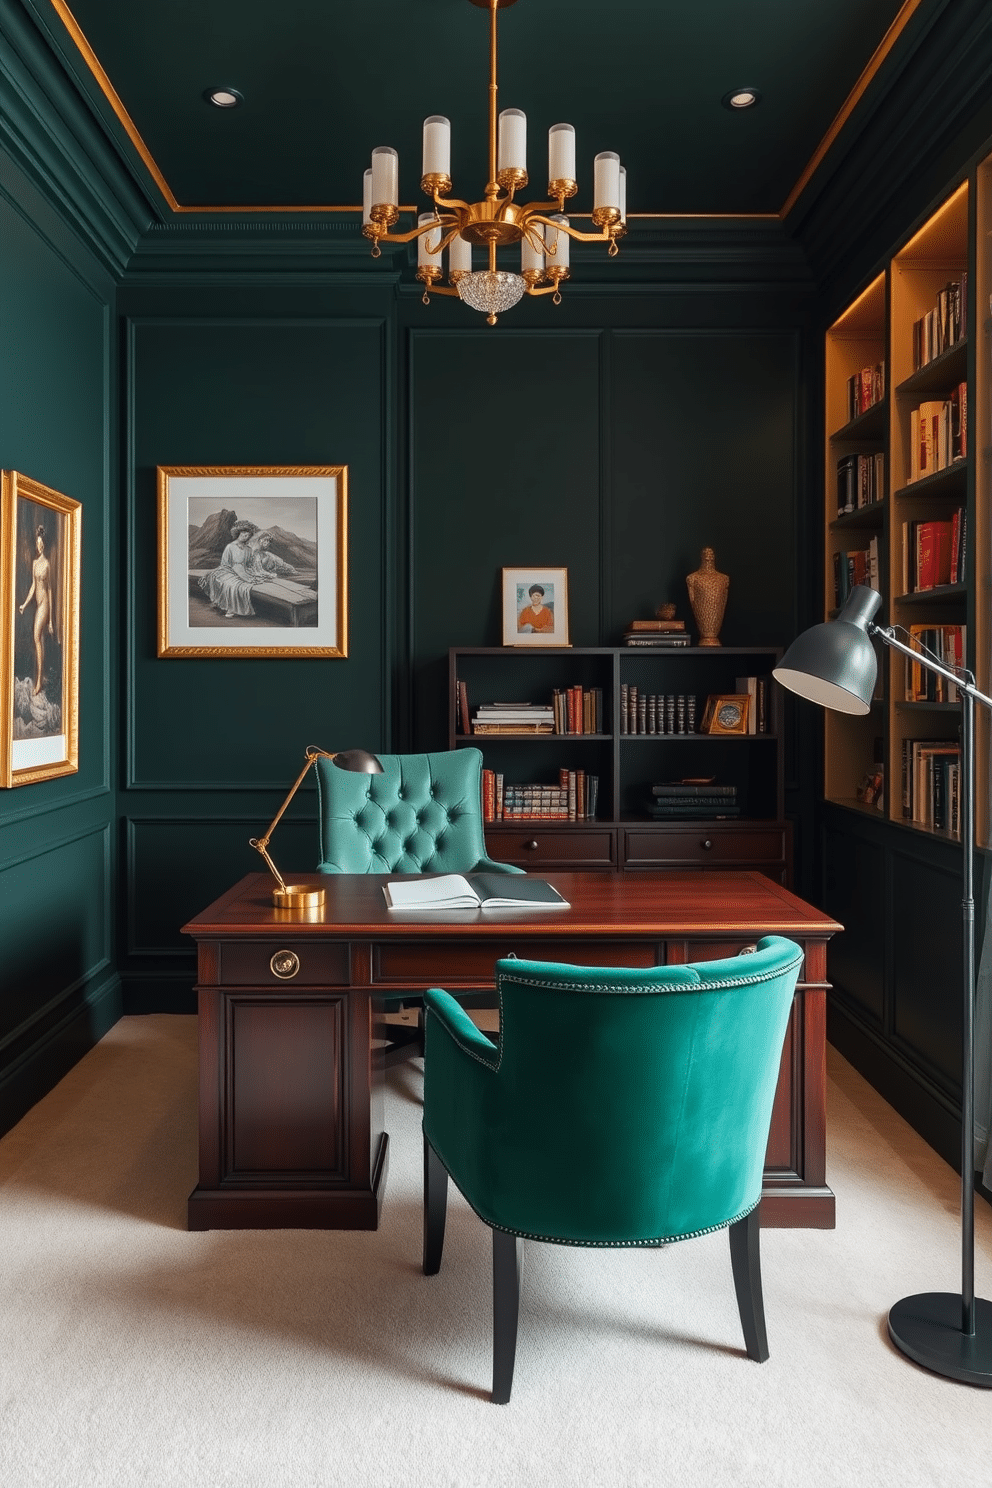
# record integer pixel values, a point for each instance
(726, 713)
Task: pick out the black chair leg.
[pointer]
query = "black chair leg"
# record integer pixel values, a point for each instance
(745, 1257)
(435, 1209)
(508, 1254)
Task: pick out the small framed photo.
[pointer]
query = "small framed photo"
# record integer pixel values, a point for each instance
(40, 546)
(535, 607)
(726, 713)
(252, 560)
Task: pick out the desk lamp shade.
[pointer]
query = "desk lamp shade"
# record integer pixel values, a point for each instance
(834, 664)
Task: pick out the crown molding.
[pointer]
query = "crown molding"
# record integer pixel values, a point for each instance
(933, 96)
(53, 138)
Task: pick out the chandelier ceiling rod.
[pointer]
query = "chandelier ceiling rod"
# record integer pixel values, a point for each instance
(541, 228)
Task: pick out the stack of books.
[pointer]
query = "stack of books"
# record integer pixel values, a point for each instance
(692, 800)
(513, 718)
(656, 633)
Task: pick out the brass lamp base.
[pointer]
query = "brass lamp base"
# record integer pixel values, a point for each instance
(298, 896)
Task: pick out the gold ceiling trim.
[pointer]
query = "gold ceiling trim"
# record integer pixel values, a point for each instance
(850, 103)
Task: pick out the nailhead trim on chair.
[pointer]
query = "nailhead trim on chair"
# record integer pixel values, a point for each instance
(606, 1244)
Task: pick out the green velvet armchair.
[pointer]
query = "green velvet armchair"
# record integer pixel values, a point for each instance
(423, 814)
(618, 1107)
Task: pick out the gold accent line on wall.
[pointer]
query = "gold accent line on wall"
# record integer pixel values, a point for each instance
(853, 98)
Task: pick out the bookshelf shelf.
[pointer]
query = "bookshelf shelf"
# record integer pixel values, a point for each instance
(623, 832)
(914, 318)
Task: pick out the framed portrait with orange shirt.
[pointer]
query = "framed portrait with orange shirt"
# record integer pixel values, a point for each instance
(535, 607)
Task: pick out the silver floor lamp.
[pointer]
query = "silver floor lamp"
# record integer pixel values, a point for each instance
(835, 665)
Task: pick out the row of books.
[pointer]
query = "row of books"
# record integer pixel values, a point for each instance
(865, 389)
(656, 712)
(931, 784)
(574, 798)
(933, 552)
(938, 434)
(671, 633)
(942, 326)
(860, 566)
(948, 643)
(578, 710)
(692, 800)
(860, 481)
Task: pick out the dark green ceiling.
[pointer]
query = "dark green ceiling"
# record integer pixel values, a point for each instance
(324, 82)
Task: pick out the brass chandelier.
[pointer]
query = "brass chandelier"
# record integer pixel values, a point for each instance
(541, 228)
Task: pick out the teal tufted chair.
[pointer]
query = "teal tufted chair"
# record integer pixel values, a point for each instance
(619, 1107)
(423, 814)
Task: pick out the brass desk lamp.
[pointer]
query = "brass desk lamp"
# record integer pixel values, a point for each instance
(304, 896)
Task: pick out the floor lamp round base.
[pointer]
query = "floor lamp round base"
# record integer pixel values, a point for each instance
(927, 1329)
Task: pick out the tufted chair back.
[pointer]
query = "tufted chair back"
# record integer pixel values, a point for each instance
(423, 814)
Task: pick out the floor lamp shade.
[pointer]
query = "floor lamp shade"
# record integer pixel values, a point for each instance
(834, 664)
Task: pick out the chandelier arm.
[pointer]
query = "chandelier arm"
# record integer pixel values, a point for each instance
(450, 205)
(543, 289)
(440, 289)
(535, 208)
(449, 236)
(582, 237)
(415, 232)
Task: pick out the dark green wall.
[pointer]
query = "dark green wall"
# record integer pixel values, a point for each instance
(59, 989)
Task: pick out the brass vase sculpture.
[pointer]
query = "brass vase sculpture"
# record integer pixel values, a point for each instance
(708, 598)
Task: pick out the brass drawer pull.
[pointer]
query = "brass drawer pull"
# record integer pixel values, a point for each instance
(285, 965)
(531, 846)
(706, 843)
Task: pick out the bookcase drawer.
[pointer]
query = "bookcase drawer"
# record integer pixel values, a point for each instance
(539, 846)
(705, 844)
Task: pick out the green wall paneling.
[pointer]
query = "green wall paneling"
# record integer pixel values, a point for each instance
(58, 988)
(703, 436)
(855, 893)
(262, 392)
(177, 865)
(927, 964)
(505, 470)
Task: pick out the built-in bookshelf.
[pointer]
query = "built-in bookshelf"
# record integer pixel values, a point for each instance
(910, 335)
(642, 728)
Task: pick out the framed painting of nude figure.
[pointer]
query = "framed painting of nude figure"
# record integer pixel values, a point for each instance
(252, 560)
(40, 536)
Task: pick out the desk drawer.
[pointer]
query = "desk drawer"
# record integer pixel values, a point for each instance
(472, 963)
(538, 845)
(705, 844)
(276, 962)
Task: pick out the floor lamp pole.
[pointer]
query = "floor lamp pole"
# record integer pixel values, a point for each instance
(947, 1333)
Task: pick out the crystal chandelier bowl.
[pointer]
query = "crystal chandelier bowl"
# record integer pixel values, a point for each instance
(491, 291)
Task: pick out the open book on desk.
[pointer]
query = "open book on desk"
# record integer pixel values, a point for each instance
(473, 891)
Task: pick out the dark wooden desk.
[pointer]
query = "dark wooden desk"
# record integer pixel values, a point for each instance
(291, 1130)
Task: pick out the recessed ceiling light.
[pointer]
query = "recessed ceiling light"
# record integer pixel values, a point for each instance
(741, 98)
(223, 97)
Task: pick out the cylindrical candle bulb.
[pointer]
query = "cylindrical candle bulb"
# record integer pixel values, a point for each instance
(623, 193)
(437, 146)
(557, 243)
(385, 177)
(606, 180)
(511, 153)
(459, 256)
(427, 256)
(367, 196)
(561, 152)
(531, 257)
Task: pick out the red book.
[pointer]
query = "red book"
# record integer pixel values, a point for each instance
(488, 795)
(925, 555)
(942, 552)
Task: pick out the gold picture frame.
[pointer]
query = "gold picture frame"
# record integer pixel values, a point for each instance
(535, 607)
(726, 713)
(40, 553)
(253, 560)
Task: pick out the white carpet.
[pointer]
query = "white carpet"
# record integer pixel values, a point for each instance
(135, 1352)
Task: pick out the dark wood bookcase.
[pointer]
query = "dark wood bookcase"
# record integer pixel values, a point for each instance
(623, 834)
